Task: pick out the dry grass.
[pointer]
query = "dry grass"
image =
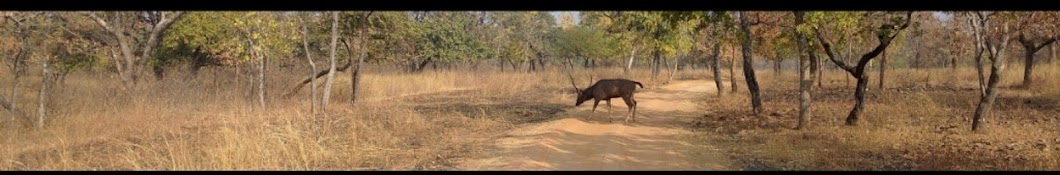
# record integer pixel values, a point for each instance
(920, 121)
(423, 120)
(211, 123)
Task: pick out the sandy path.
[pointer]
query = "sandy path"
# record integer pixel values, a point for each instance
(654, 142)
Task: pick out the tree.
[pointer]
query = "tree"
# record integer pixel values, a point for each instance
(805, 81)
(748, 65)
(584, 42)
(667, 36)
(609, 21)
(713, 25)
(845, 22)
(207, 38)
(361, 25)
(313, 67)
(118, 27)
(992, 33)
(1036, 30)
(22, 28)
(331, 55)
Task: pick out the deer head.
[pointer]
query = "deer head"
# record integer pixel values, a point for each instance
(583, 95)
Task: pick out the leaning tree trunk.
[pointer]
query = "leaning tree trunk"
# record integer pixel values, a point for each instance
(858, 71)
(859, 96)
(313, 69)
(357, 69)
(18, 69)
(979, 69)
(715, 62)
(331, 70)
(748, 66)
(355, 75)
(986, 101)
(996, 54)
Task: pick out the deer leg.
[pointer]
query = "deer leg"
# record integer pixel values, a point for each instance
(630, 104)
(609, 111)
(595, 103)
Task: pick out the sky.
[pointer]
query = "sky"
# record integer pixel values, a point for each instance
(556, 14)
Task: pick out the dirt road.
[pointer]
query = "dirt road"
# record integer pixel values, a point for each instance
(655, 141)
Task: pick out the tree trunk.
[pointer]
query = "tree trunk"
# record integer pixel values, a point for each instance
(805, 114)
(859, 98)
(261, 79)
(1029, 49)
(748, 66)
(858, 71)
(319, 74)
(987, 101)
(916, 58)
(135, 64)
(715, 62)
(18, 69)
(776, 66)
(883, 67)
(815, 69)
(669, 71)
(42, 94)
(1028, 67)
(732, 70)
(656, 65)
(331, 70)
(198, 60)
(7, 106)
(997, 53)
(629, 65)
(356, 81)
(1052, 53)
(514, 66)
(953, 64)
(980, 72)
(159, 71)
(313, 69)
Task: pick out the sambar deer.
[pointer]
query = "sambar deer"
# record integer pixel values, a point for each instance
(605, 90)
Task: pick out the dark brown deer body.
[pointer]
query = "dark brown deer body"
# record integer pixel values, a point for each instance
(607, 89)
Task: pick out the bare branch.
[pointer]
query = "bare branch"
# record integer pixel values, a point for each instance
(831, 54)
(102, 23)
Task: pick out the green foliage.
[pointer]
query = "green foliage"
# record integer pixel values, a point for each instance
(585, 42)
(669, 32)
(839, 24)
(213, 32)
(446, 38)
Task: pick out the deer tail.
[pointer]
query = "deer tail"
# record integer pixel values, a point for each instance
(638, 83)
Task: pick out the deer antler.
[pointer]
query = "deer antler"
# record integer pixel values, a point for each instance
(590, 79)
(572, 83)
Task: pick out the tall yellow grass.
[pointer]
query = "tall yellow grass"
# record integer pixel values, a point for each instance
(211, 122)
